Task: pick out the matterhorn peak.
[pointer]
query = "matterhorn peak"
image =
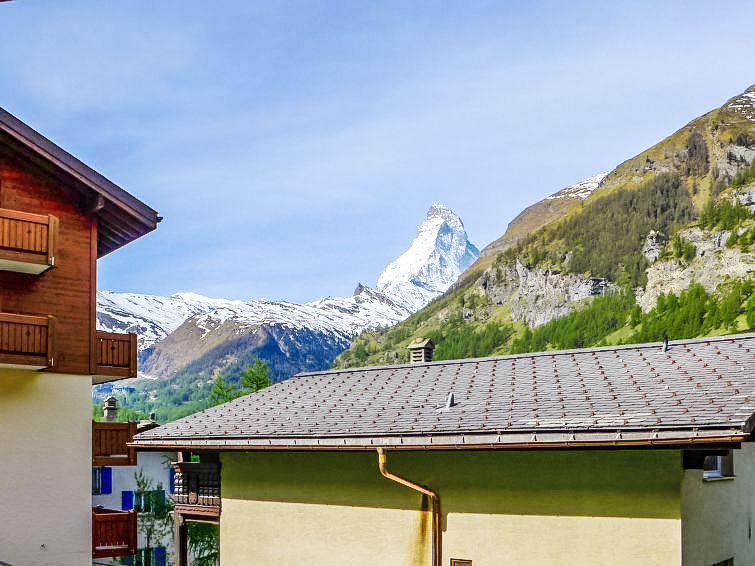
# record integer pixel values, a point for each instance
(439, 253)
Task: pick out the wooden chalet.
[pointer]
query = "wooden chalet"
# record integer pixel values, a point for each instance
(57, 217)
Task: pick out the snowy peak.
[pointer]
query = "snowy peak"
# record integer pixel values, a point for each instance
(581, 190)
(439, 253)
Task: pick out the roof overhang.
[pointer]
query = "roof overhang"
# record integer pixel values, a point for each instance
(530, 440)
(121, 216)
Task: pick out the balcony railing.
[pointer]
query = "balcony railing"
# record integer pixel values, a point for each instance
(27, 241)
(110, 444)
(113, 532)
(26, 341)
(197, 484)
(114, 355)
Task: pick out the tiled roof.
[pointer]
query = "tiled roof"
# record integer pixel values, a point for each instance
(697, 390)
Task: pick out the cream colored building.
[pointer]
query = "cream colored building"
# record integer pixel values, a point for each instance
(623, 456)
(57, 217)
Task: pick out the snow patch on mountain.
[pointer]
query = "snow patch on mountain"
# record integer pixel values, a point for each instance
(151, 317)
(439, 253)
(744, 103)
(580, 190)
(366, 310)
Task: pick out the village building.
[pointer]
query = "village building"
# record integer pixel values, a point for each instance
(619, 455)
(117, 494)
(57, 217)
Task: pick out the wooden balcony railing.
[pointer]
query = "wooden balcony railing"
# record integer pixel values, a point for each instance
(110, 444)
(197, 485)
(114, 355)
(27, 341)
(113, 532)
(27, 241)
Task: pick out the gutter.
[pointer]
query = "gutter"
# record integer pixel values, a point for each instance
(434, 497)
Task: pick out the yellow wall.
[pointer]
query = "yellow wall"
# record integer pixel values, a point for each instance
(45, 470)
(718, 515)
(540, 508)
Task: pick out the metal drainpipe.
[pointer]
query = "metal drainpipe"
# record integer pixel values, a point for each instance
(434, 497)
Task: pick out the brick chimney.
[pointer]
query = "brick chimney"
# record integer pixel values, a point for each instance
(421, 350)
(110, 410)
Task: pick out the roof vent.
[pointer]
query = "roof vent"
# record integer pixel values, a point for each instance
(421, 350)
(664, 348)
(450, 402)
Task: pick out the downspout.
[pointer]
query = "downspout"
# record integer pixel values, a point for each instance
(434, 497)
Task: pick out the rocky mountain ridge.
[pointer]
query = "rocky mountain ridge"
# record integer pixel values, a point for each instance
(595, 238)
(186, 333)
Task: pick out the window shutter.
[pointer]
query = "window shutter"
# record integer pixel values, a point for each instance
(159, 556)
(172, 479)
(127, 500)
(106, 480)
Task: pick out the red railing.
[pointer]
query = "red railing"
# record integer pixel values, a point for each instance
(27, 241)
(115, 354)
(113, 532)
(110, 444)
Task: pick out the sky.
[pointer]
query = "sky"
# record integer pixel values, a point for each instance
(294, 147)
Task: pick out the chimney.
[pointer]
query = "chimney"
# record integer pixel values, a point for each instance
(421, 350)
(110, 410)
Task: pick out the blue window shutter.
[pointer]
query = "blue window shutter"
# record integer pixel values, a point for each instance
(161, 497)
(159, 556)
(106, 480)
(172, 479)
(127, 500)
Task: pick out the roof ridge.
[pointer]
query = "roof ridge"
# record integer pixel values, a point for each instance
(608, 348)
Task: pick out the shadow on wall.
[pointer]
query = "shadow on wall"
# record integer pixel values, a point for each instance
(588, 483)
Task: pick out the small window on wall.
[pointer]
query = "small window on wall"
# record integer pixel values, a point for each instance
(460, 562)
(721, 466)
(102, 481)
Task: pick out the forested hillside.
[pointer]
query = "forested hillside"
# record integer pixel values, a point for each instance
(661, 247)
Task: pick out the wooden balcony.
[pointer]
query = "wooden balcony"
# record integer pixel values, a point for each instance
(26, 341)
(113, 532)
(114, 356)
(197, 488)
(110, 444)
(27, 241)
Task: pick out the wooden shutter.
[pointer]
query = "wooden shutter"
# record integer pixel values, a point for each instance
(106, 480)
(127, 500)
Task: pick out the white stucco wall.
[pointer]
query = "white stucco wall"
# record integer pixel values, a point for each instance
(45, 471)
(717, 516)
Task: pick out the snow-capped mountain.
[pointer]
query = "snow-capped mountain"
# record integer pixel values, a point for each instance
(439, 253)
(152, 317)
(186, 332)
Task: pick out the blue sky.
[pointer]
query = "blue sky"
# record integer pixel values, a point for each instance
(293, 147)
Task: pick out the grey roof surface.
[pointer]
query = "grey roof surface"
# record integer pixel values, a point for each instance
(697, 390)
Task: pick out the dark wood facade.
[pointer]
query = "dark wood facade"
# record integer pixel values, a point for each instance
(50, 218)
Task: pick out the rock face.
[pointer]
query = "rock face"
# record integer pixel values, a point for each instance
(439, 253)
(712, 265)
(536, 296)
(654, 242)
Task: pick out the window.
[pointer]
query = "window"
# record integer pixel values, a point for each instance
(719, 466)
(460, 562)
(148, 501)
(145, 557)
(102, 480)
(727, 562)
(96, 481)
